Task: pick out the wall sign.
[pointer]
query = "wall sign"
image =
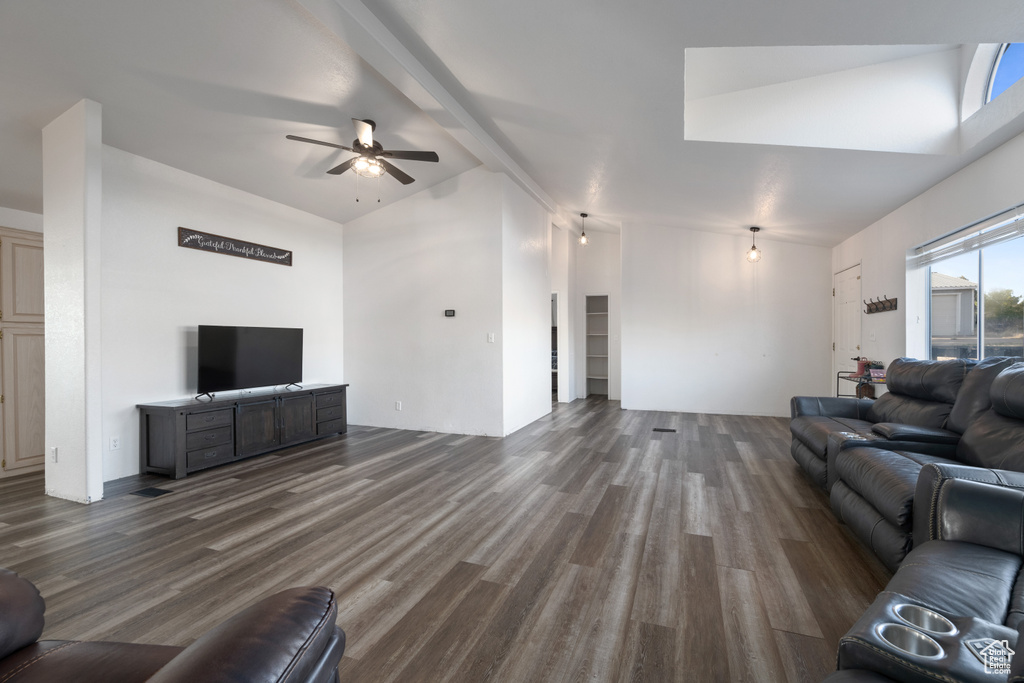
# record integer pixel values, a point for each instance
(204, 241)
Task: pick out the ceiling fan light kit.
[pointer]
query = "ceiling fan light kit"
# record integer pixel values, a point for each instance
(372, 161)
(368, 167)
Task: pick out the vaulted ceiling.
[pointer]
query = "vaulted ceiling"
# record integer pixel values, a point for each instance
(811, 118)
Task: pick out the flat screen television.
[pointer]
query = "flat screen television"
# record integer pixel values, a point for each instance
(246, 357)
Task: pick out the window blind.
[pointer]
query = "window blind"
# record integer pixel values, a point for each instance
(1003, 226)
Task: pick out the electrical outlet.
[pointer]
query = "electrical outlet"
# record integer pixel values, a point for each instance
(115, 443)
(53, 454)
(398, 405)
(490, 337)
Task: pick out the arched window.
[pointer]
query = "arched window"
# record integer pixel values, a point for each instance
(1007, 69)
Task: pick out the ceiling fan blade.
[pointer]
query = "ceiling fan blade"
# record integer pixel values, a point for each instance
(364, 132)
(319, 142)
(411, 156)
(400, 175)
(342, 167)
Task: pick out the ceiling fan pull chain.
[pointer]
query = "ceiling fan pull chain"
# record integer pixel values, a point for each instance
(378, 189)
(357, 188)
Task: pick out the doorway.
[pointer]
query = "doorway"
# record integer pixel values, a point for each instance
(846, 319)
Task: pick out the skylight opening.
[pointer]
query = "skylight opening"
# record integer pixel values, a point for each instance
(1007, 69)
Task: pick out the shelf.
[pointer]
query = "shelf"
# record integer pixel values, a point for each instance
(596, 355)
(596, 377)
(597, 334)
(599, 313)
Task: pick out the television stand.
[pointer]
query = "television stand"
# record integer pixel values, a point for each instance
(177, 438)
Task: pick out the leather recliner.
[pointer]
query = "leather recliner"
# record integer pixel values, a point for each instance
(290, 636)
(920, 394)
(967, 566)
(876, 488)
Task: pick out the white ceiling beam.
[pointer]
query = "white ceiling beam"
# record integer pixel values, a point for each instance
(361, 30)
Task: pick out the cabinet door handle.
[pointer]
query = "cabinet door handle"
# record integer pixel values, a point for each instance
(210, 437)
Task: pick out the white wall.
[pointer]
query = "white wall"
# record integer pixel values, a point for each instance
(563, 282)
(599, 272)
(404, 265)
(72, 197)
(156, 293)
(705, 331)
(526, 308)
(21, 220)
(993, 183)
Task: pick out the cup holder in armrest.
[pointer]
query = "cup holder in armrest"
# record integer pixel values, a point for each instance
(909, 640)
(924, 619)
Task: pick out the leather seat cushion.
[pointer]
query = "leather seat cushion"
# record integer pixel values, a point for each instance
(85, 662)
(811, 462)
(888, 543)
(885, 479)
(959, 579)
(813, 430)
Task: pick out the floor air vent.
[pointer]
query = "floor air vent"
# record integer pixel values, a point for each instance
(664, 429)
(151, 492)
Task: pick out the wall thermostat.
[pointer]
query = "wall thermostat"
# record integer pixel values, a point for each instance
(449, 312)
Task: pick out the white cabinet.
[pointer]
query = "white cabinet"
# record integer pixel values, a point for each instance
(22, 403)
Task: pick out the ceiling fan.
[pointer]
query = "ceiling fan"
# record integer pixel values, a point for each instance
(372, 161)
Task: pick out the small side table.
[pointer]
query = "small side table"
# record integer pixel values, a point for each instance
(864, 388)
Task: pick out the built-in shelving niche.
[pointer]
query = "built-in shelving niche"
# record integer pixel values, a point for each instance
(597, 345)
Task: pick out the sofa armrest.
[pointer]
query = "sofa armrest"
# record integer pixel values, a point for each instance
(289, 636)
(894, 431)
(972, 504)
(829, 406)
(21, 613)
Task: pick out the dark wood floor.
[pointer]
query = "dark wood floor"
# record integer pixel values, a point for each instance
(584, 547)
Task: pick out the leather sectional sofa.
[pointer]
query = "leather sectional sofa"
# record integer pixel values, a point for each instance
(289, 636)
(958, 594)
(921, 394)
(874, 484)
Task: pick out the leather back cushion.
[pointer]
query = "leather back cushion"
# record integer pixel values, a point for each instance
(1007, 392)
(929, 380)
(910, 411)
(996, 438)
(995, 441)
(975, 392)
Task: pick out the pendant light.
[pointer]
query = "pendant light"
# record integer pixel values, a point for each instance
(584, 240)
(754, 254)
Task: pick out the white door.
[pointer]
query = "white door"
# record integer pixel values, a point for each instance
(846, 320)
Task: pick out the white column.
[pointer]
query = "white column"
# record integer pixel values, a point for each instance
(72, 197)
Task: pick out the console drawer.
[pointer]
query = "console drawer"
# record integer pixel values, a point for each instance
(331, 427)
(332, 399)
(324, 414)
(207, 438)
(211, 418)
(208, 457)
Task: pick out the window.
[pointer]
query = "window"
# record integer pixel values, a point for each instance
(977, 303)
(955, 307)
(1007, 69)
(1003, 328)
